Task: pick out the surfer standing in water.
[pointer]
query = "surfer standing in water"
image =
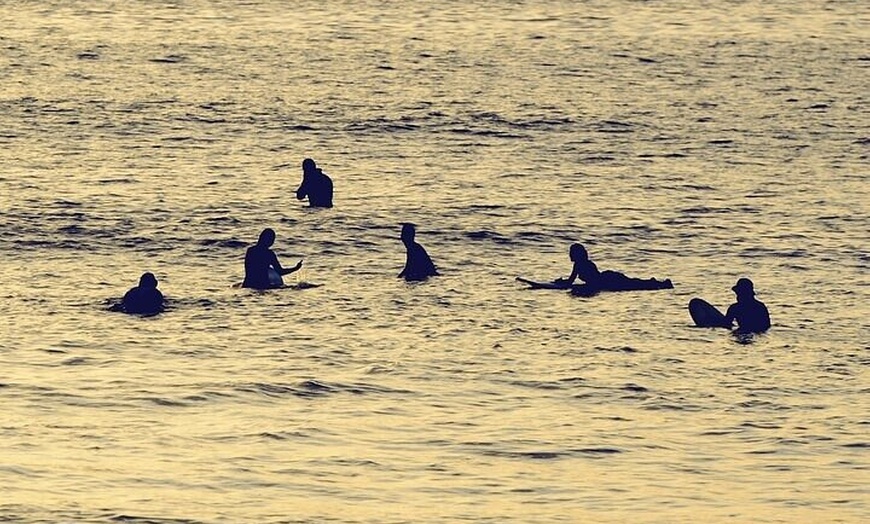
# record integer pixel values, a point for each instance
(587, 271)
(418, 265)
(259, 259)
(144, 299)
(750, 313)
(316, 185)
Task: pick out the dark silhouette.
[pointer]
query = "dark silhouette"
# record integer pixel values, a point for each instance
(418, 265)
(706, 315)
(595, 280)
(316, 185)
(560, 283)
(260, 260)
(144, 299)
(751, 314)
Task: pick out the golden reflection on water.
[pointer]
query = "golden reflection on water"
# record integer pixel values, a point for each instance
(696, 142)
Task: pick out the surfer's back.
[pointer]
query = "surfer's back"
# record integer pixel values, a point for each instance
(139, 300)
(258, 259)
(751, 315)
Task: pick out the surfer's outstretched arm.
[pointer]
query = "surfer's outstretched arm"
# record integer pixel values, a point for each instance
(273, 261)
(293, 269)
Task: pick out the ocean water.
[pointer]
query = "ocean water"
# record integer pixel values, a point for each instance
(699, 141)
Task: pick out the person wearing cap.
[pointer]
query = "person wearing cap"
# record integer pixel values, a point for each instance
(751, 314)
(316, 185)
(418, 264)
(144, 299)
(259, 259)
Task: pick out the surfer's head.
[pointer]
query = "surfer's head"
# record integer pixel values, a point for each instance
(744, 288)
(267, 237)
(308, 165)
(408, 232)
(148, 281)
(578, 253)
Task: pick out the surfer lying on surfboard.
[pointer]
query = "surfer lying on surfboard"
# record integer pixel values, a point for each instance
(587, 271)
(260, 261)
(594, 280)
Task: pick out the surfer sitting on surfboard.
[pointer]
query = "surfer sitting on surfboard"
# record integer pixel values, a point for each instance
(418, 264)
(259, 259)
(587, 271)
(316, 185)
(144, 299)
(750, 313)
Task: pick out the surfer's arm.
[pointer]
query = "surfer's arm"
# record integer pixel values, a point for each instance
(575, 273)
(293, 269)
(273, 261)
(567, 281)
(731, 315)
(407, 266)
(302, 190)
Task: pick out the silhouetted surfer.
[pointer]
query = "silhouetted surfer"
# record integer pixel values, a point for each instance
(144, 299)
(316, 185)
(259, 259)
(418, 265)
(587, 271)
(750, 313)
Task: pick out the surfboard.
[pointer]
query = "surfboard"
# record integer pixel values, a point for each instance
(584, 290)
(705, 314)
(275, 279)
(303, 285)
(541, 285)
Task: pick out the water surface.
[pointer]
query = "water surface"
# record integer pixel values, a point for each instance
(696, 141)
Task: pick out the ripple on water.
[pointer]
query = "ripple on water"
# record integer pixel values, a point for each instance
(591, 452)
(317, 389)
